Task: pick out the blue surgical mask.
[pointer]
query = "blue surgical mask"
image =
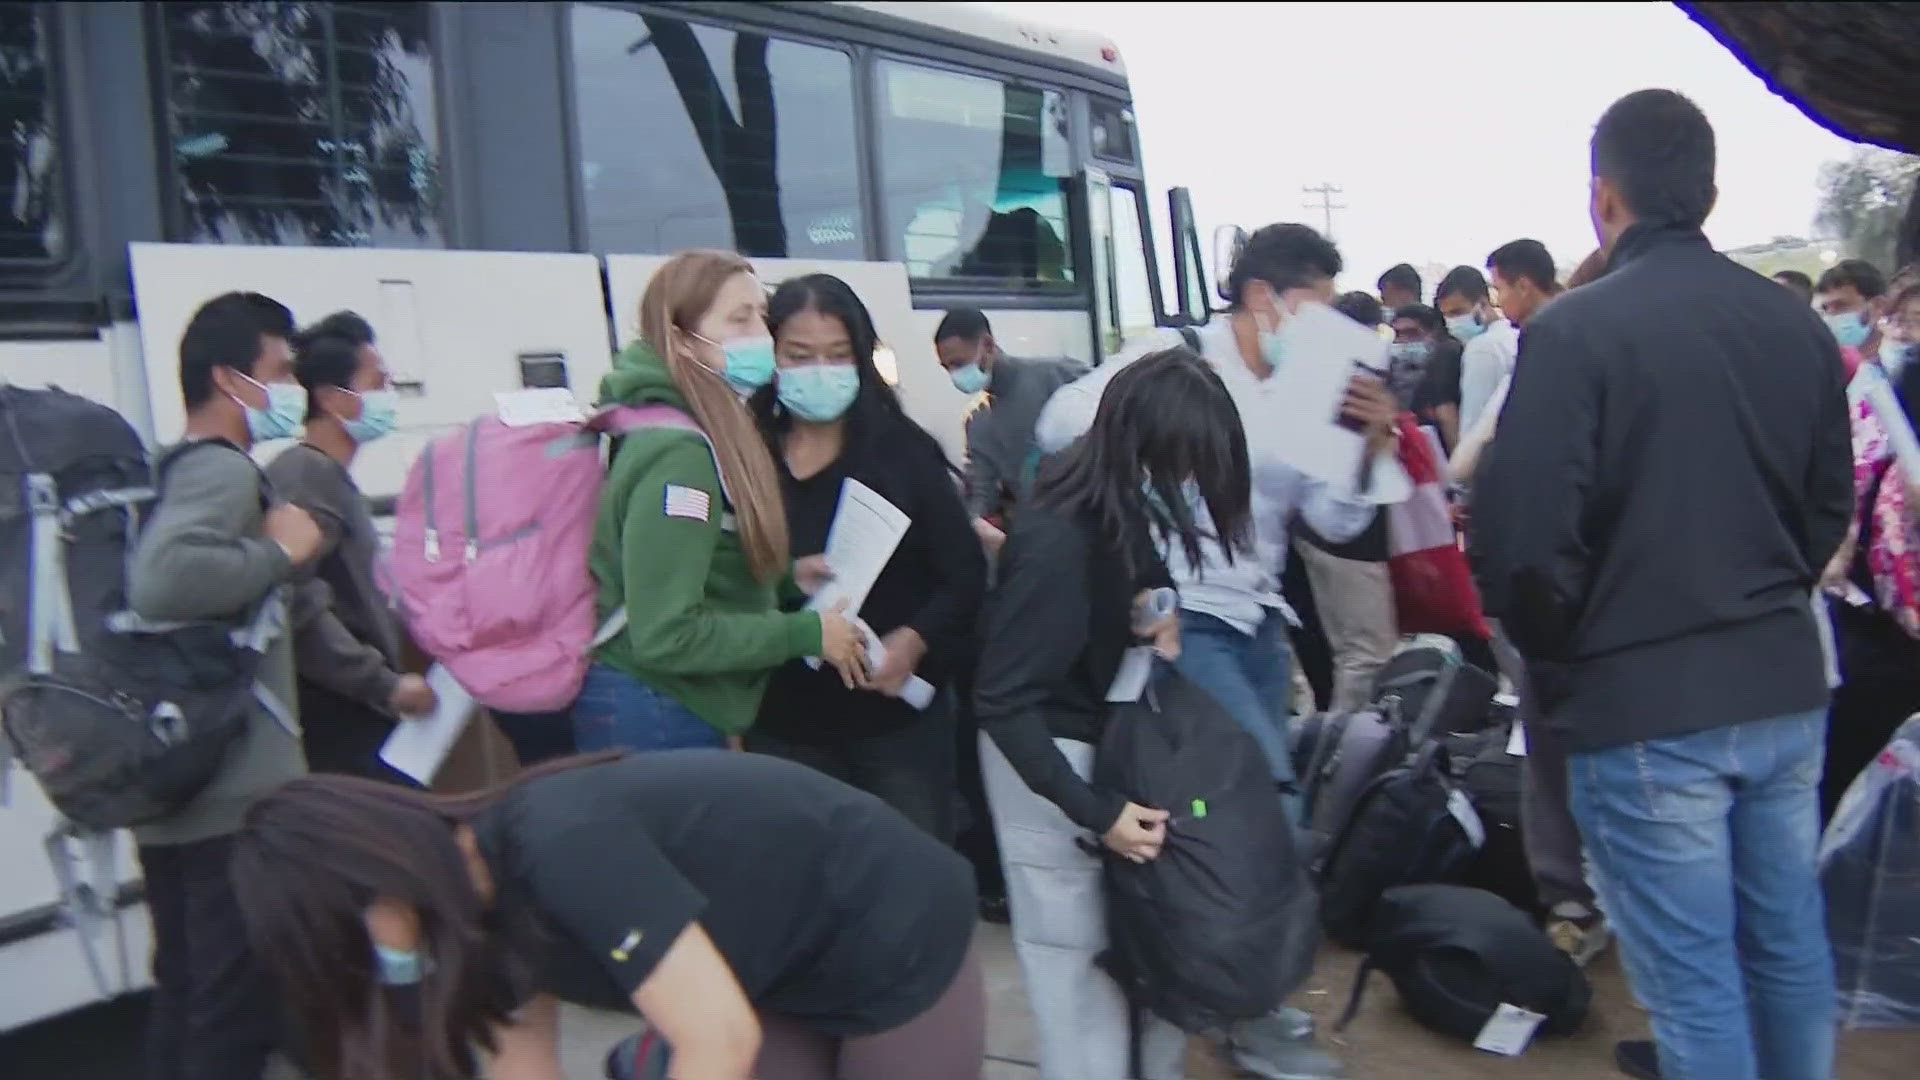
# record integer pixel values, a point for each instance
(749, 361)
(1465, 327)
(819, 392)
(400, 967)
(1849, 328)
(284, 415)
(970, 379)
(379, 415)
(1895, 355)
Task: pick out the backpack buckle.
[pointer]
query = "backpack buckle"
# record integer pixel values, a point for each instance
(43, 495)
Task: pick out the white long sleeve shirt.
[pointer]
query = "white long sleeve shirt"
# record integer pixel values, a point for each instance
(1244, 592)
(1487, 362)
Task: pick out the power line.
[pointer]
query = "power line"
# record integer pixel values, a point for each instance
(1325, 203)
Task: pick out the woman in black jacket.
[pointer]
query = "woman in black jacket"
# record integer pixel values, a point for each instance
(1080, 559)
(830, 420)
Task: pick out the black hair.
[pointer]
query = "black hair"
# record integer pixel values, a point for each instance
(341, 324)
(320, 362)
(1285, 257)
(1797, 281)
(876, 413)
(1403, 276)
(1362, 307)
(1657, 149)
(1429, 318)
(1163, 418)
(1857, 274)
(1464, 281)
(1526, 259)
(967, 324)
(226, 333)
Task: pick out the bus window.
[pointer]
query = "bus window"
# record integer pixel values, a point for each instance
(1133, 283)
(694, 136)
(301, 123)
(1113, 133)
(974, 175)
(33, 226)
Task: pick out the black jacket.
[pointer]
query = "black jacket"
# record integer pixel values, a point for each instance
(1651, 555)
(1056, 625)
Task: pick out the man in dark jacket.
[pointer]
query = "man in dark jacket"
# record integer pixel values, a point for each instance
(1672, 471)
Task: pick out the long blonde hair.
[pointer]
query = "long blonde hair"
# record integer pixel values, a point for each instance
(677, 298)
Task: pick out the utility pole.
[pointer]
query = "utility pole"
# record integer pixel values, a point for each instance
(1324, 203)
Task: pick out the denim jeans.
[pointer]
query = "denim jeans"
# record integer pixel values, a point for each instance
(617, 711)
(1252, 678)
(1704, 852)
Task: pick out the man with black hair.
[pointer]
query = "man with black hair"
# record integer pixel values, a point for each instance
(214, 551)
(1361, 308)
(1524, 274)
(1233, 620)
(1849, 296)
(1426, 369)
(1491, 340)
(1672, 471)
(1799, 283)
(1399, 287)
(1000, 455)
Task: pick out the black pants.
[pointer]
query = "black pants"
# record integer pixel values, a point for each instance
(1310, 644)
(216, 1014)
(975, 837)
(1862, 719)
(537, 737)
(910, 768)
(343, 736)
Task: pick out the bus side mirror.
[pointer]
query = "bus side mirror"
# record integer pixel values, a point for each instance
(1228, 242)
(1189, 271)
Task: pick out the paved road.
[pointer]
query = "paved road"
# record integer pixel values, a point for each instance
(1383, 1044)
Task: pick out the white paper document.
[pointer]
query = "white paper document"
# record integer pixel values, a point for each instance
(1508, 1030)
(1321, 351)
(866, 529)
(545, 405)
(419, 747)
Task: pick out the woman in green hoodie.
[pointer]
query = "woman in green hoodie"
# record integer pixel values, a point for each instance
(692, 534)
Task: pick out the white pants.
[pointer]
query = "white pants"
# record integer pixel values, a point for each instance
(1355, 601)
(1060, 930)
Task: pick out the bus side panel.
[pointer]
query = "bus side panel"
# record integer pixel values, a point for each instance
(80, 366)
(455, 327)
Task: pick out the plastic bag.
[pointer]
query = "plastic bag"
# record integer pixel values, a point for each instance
(1870, 870)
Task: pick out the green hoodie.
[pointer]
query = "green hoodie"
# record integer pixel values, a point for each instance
(701, 627)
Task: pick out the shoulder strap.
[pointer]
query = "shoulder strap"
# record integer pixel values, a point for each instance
(1777, 487)
(1191, 336)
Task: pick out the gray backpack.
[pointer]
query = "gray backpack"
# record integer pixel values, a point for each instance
(121, 721)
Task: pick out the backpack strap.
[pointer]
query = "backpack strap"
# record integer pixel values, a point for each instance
(1191, 336)
(90, 899)
(621, 420)
(50, 614)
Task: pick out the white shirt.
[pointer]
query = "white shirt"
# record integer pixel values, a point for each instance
(1487, 361)
(1243, 592)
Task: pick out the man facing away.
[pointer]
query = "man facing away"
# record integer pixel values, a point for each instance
(1000, 431)
(213, 552)
(1399, 287)
(1672, 469)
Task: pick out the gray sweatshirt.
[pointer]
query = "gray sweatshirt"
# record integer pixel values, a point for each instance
(1000, 430)
(204, 555)
(344, 637)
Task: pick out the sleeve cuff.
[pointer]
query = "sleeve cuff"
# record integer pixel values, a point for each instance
(804, 634)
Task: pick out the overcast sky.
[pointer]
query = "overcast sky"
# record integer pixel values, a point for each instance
(1453, 128)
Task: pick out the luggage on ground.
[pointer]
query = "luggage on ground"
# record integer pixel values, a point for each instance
(1494, 780)
(490, 553)
(120, 721)
(1412, 825)
(1870, 869)
(1436, 690)
(1336, 756)
(1456, 955)
(1220, 927)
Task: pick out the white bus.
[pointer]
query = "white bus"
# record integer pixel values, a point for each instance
(490, 184)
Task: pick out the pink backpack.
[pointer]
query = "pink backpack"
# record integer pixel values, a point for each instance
(490, 554)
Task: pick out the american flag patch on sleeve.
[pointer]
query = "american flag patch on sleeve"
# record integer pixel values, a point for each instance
(690, 503)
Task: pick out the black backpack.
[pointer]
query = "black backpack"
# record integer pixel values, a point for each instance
(1412, 825)
(121, 721)
(1457, 954)
(1336, 757)
(1221, 926)
(1494, 780)
(1434, 690)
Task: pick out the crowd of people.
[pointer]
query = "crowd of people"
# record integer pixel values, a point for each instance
(1655, 470)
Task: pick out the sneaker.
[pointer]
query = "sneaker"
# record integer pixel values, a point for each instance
(1280, 1046)
(1637, 1058)
(1579, 931)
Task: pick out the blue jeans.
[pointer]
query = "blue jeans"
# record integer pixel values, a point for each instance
(1704, 849)
(618, 711)
(1252, 678)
